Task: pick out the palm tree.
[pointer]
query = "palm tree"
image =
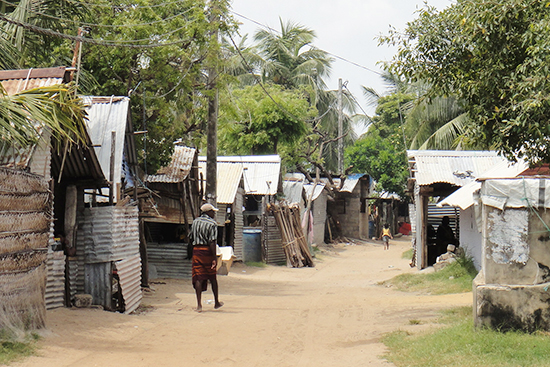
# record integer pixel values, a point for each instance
(436, 123)
(289, 59)
(25, 115)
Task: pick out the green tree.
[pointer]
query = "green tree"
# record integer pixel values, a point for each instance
(255, 123)
(167, 83)
(382, 160)
(380, 152)
(494, 57)
(288, 58)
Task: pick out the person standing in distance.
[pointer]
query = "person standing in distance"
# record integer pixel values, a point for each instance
(204, 233)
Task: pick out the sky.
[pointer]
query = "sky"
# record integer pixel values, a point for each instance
(346, 28)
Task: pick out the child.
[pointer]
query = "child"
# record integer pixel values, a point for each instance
(386, 235)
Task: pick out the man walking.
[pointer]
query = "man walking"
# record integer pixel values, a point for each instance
(204, 233)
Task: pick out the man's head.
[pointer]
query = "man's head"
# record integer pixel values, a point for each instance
(209, 209)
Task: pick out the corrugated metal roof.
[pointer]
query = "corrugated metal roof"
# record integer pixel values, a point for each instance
(15, 81)
(229, 178)
(105, 115)
(261, 173)
(464, 197)
(178, 169)
(351, 181)
(80, 163)
(454, 167)
(318, 190)
(293, 191)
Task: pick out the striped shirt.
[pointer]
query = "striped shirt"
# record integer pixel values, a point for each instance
(204, 230)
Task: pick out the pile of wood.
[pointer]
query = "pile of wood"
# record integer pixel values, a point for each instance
(294, 242)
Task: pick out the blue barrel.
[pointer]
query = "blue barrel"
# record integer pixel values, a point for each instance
(252, 245)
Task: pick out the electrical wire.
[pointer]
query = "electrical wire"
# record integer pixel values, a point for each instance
(53, 33)
(132, 6)
(102, 25)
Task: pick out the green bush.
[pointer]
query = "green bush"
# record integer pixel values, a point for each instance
(454, 278)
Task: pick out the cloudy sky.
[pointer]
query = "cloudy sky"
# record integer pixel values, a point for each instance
(346, 28)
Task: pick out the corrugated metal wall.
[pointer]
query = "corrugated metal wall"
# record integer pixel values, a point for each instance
(435, 215)
(129, 273)
(106, 235)
(109, 233)
(239, 224)
(55, 284)
(273, 245)
(169, 260)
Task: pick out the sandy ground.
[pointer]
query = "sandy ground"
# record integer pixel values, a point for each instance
(330, 315)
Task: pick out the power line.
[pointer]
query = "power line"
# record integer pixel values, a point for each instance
(329, 53)
(102, 25)
(129, 5)
(53, 33)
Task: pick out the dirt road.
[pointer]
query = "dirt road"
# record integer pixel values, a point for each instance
(330, 315)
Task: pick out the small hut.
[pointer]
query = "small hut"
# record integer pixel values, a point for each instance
(261, 176)
(168, 208)
(230, 201)
(34, 273)
(350, 206)
(435, 174)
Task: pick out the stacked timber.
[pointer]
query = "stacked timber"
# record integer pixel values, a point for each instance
(295, 245)
(25, 219)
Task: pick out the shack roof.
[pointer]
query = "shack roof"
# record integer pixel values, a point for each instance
(79, 163)
(448, 166)
(229, 178)
(179, 167)
(261, 172)
(351, 181)
(15, 81)
(464, 197)
(104, 116)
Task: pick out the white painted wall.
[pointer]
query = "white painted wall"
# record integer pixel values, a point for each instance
(470, 236)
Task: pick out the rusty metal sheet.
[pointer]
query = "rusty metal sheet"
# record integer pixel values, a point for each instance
(178, 169)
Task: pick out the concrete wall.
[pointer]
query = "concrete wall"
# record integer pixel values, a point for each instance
(470, 236)
(319, 218)
(348, 213)
(512, 292)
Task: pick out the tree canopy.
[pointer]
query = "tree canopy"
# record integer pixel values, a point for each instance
(494, 57)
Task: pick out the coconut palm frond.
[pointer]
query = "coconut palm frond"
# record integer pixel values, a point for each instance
(23, 116)
(447, 136)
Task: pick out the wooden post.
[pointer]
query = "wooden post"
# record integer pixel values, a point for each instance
(112, 168)
(340, 130)
(143, 255)
(212, 127)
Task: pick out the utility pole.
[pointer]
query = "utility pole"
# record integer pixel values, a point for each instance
(212, 126)
(340, 130)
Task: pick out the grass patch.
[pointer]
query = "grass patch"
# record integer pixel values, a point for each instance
(455, 278)
(12, 349)
(256, 264)
(408, 254)
(458, 344)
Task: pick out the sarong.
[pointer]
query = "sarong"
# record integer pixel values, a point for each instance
(202, 267)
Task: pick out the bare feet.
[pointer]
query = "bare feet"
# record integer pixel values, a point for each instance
(198, 309)
(218, 305)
